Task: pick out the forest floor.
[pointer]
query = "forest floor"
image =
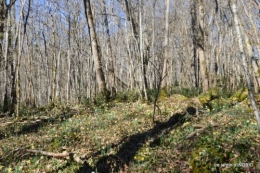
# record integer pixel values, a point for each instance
(121, 137)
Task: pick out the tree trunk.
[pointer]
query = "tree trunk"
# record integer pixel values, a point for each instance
(94, 45)
(111, 70)
(10, 96)
(201, 47)
(166, 42)
(244, 63)
(251, 51)
(54, 61)
(6, 67)
(3, 15)
(194, 42)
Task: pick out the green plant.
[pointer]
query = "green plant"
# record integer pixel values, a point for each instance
(151, 93)
(187, 92)
(100, 99)
(87, 101)
(127, 96)
(1, 106)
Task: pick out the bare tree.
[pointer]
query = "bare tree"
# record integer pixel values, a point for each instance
(201, 47)
(94, 45)
(244, 63)
(10, 97)
(166, 42)
(111, 70)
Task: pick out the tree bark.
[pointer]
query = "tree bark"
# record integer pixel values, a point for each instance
(111, 70)
(166, 42)
(94, 45)
(3, 15)
(201, 47)
(194, 42)
(244, 62)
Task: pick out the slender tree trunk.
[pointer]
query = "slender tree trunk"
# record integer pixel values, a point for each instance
(194, 41)
(9, 98)
(166, 42)
(141, 49)
(11, 59)
(130, 61)
(251, 51)
(6, 66)
(201, 47)
(68, 77)
(111, 70)
(15, 39)
(94, 45)
(20, 36)
(244, 62)
(3, 15)
(68, 61)
(54, 61)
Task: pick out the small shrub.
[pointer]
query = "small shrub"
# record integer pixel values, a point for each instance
(188, 92)
(151, 93)
(87, 101)
(127, 96)
(219, 104)
(163, 93)
(1, 106)
(203, 159)
(99, 100)
(239, 96)
(214, 99)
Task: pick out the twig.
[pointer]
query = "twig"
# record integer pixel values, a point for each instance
(64, 154)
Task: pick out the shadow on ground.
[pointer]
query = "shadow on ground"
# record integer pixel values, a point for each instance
(33, 125)
(130, 146)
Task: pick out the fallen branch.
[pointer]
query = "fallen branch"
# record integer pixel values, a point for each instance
(202, 129)
(198, 126)
(64, 154)
(6, 124)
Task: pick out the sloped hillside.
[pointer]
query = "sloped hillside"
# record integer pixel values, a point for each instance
(190, 135)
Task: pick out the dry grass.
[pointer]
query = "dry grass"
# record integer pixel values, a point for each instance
(124, 139)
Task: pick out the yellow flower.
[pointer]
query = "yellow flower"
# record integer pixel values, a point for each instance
(32, 147)
(28, 161)
(185, 124)
(9, 169)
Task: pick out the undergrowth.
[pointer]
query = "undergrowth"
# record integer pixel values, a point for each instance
(120, 136)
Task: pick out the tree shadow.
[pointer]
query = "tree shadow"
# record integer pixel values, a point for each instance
(130, 146)
(33, 126)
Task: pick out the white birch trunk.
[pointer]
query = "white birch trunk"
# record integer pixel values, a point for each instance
(244, 63)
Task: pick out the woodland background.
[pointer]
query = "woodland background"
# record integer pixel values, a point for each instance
(129, 86)
(71, 50)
